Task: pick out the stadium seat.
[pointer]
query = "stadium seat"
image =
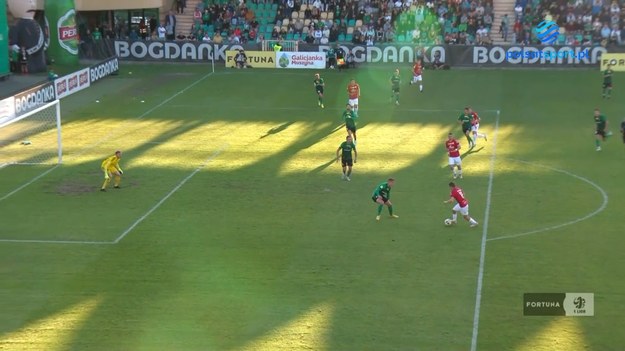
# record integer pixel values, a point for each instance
(330, 15)
(349, 37)
(261, 7)
(303, 7)
(252, 6)
(350, 30)
(401, 38)
(301, 14)
(358, 24)
(462, 27)
(294, 15)
(337, 22)
(305, 30)
(341, 37)
(289, 36)
(262, 28)
(561, 39)
(263, 21)
(579, 38)
(324, 15)
(274, 7)
(297, 36)
(306, 22)
(413, 8)
(284, 29)
(285, 22)
(351, 22)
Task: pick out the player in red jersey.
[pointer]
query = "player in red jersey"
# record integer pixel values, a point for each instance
(475, 126)
(353, 89)
(462, 205)
(417, 70)
(453, 149)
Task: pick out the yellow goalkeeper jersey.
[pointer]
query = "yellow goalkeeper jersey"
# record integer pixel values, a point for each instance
(111, 162)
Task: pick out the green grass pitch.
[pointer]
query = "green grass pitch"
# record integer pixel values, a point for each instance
(234, 231)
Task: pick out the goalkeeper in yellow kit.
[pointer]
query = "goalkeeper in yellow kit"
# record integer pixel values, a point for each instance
(111, 167)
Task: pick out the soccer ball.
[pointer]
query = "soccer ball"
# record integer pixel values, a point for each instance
(448, 222)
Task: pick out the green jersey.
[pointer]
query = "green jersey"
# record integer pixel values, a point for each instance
(466, 121)
(349, 117)
(319, 83)
(600, 122)
(395, 80)
(346, 149)
(96, 35)
(382, 190)
(331, 53)
(607, 76)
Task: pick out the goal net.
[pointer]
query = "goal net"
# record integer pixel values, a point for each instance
(32, 138)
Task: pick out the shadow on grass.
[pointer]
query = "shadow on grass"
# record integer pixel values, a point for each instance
(277, 129)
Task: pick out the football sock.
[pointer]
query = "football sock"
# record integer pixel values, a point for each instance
(597, 142)
(106, 183)
(421, 87)
(380, 207)
(390, 210)
(459, 172)
(118, 179)
(469, 139)
(472, 221)
(349, 172)
(454, 217)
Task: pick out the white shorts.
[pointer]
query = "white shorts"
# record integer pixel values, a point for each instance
(455, 161)
(463, 210)
(417, 78)
(475, 127)
(353, 102)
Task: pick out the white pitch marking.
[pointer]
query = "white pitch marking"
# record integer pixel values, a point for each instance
(158, 204)
(56, 242)
(602, 207)
(107, 137)
(480, 275)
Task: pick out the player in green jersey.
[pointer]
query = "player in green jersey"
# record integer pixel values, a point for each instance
(623, 130)
(465, 121)
(607, 82)
(349, 117)
(601, 125)
(344, 152)
(382, 197)
(319, 84)
(395, 82)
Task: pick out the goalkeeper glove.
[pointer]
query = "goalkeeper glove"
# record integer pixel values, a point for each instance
(121, 172)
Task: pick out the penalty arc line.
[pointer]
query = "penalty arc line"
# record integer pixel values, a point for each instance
(176, 188)
(602, 207)
(107, 137)
(480, 275)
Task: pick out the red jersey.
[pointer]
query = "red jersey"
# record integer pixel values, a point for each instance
(416, 69)
(458, 195)
(353, 90)
(475, 119)
(452, 147)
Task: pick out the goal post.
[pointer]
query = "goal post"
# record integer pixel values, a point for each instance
(34, 137)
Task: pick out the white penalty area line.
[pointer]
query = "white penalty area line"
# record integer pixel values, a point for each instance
(602, 207)
(64, 242)
(480, 275)
(136, 223)
(176, 188)
(108, 136)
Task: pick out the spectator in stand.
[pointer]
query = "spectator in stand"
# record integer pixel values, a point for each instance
(309, 38)
(218, 39)
(161, 31)
(318, 34)
(518, 11)
(615, 35)
(170, 25)
(180, 5)
(605, 32)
